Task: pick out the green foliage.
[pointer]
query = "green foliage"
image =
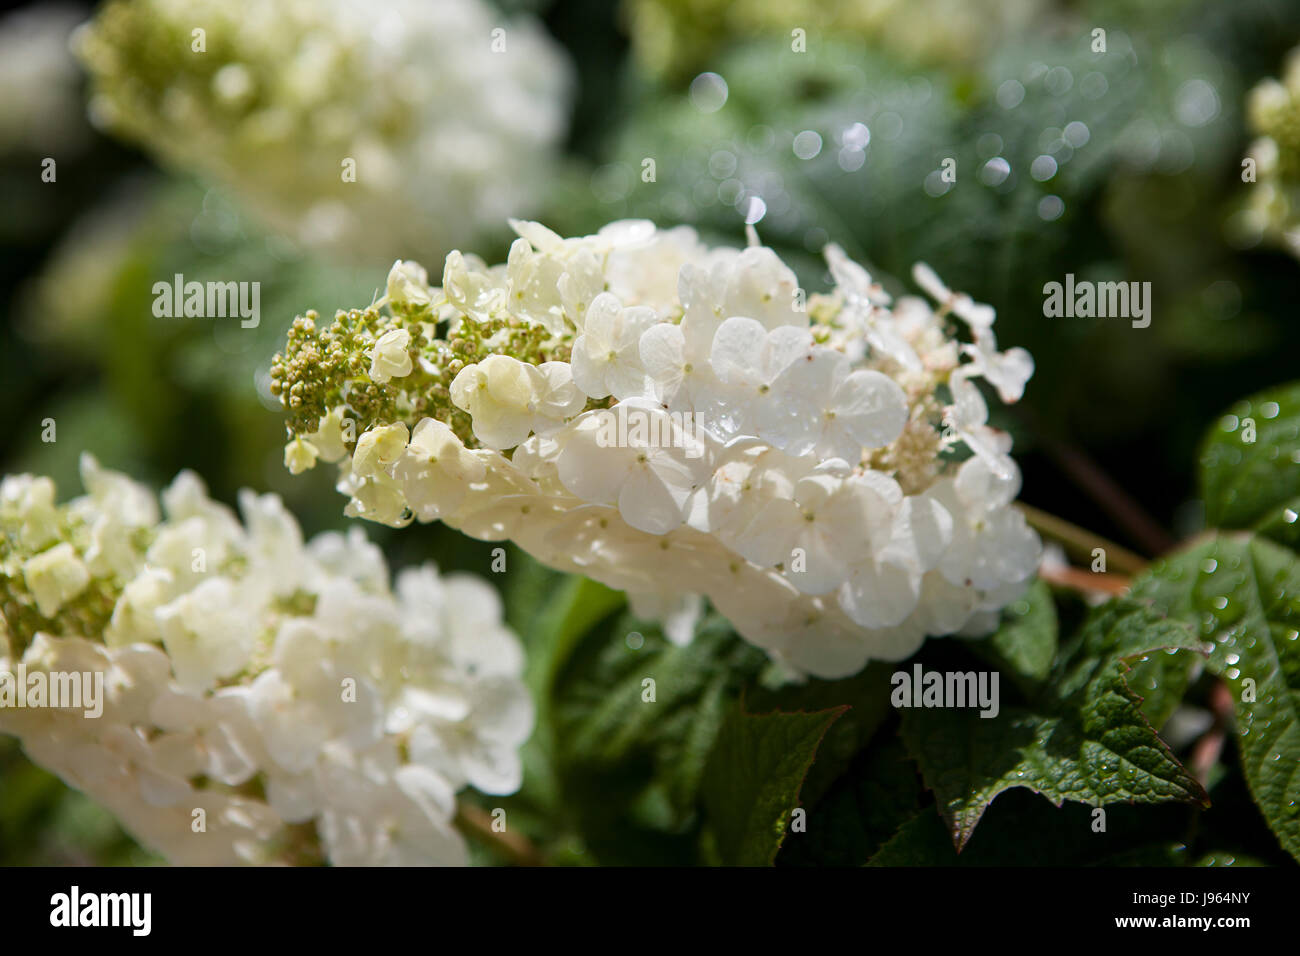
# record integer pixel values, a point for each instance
(1082, 738)
(1240, 592)
(864, 808)
(1025, 645)
(1243, 594)
(865, 702)
(753, 778)
(1021, 830)
(629, 754)
(712, 768)
(1249, 476)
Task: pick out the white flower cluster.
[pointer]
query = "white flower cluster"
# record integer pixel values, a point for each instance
(1273, 204)
(361, 125)
(683, 423)
(280, 688)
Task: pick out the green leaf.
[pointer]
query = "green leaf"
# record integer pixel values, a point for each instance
(863, 809)
(576, 606)
(630, 766)
(1255, 484)
(1025, 645)
(1282, 524)
(920, 841)
(1243, 594)
(753, 778)
(1022, 830)
(1083, 738)
(866, 696)
(552, 613)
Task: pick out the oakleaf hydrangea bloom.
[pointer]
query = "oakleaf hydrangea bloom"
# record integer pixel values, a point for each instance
(1273, 109)
(674, 420)
(310, 712)
(339, 120)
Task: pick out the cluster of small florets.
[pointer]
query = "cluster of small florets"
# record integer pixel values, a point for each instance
(338, 120)
(263, 700)
(1273, 109)
(686, 422)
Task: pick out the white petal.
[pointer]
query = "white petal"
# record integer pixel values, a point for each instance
(871, 407)
(880, 594)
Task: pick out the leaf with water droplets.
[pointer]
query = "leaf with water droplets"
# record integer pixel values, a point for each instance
(1250, 465)
(1083, 737)
(1243, 594)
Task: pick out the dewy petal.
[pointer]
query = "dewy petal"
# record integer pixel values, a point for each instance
(968, 406)
(1016, 547)
(538, 236)
(602, 315)
(871, 407)
(886, 340)
(561, 398)
(663, 355)
(880, 594)
(501, 429)
(588, 374)
(793, 414)
(588, 469)
(763, 287)
(823, 566)
(648, 503)
(1009, 372)
(737, 350)
(767, 535)
(849, 277)
(922, 532)
(982, 488)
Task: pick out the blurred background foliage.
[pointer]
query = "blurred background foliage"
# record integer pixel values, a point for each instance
(1122, 165)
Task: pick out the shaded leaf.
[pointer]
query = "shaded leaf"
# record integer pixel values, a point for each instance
(753, 778)
(863, 809)
(1084, 738)
(866, 696)
(1022, 830)
(629, 767)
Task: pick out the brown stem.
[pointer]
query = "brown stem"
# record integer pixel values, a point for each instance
(1082, 543)
(1107, 493)
(1078, 579)
(1207, 750)
(476, 822)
